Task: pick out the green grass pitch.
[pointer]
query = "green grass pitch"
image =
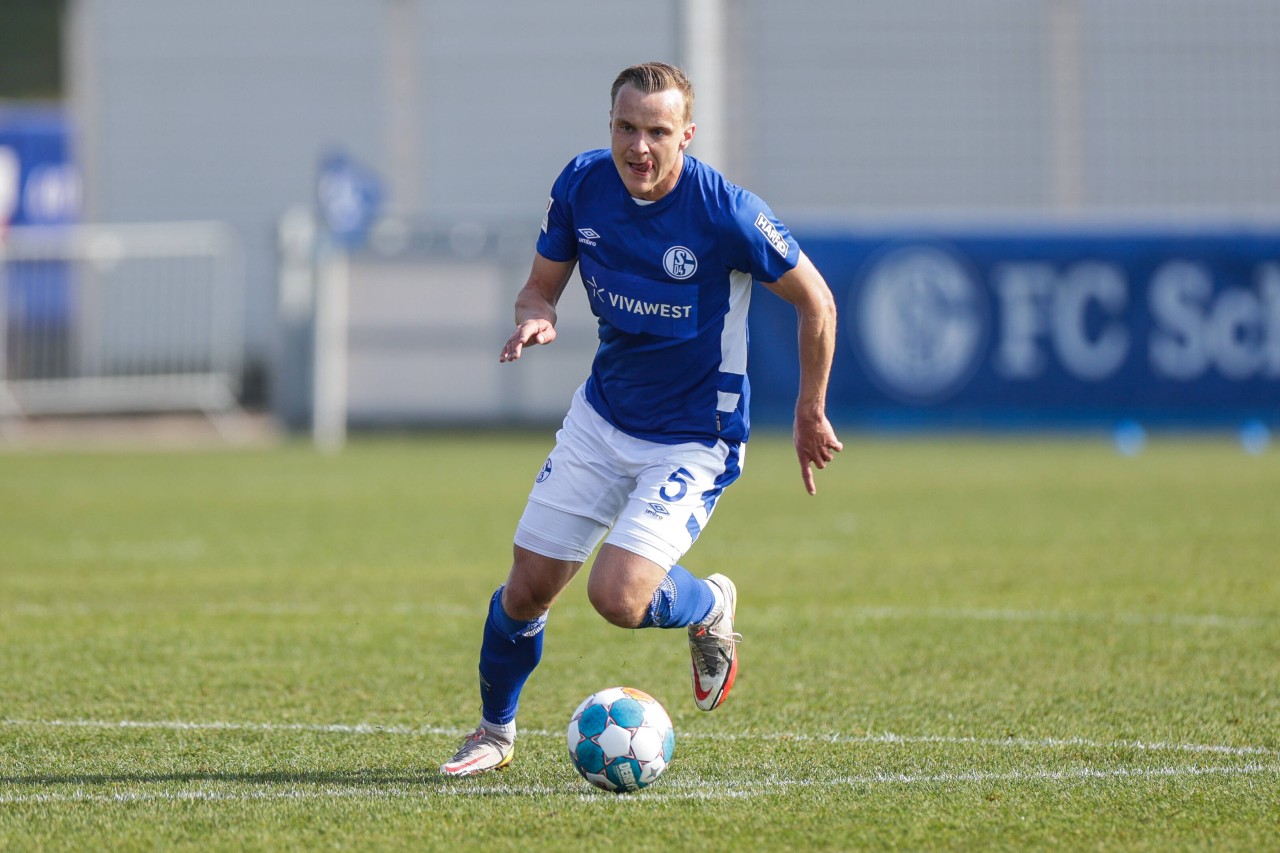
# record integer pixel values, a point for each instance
(958, 644)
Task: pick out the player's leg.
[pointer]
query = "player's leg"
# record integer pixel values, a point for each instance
(511, 647)
(561, 526)
(631, 590)
(509, 653)
(636, 580)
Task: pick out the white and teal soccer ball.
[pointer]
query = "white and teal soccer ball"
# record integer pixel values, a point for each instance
(621, 739)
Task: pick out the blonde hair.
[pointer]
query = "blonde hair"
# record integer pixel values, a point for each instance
(650, 77)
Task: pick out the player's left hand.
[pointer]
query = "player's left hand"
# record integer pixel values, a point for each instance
(816, 446)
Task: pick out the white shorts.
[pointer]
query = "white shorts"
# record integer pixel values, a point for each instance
(653, 499)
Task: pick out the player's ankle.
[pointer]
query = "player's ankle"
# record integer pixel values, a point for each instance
(506, 731)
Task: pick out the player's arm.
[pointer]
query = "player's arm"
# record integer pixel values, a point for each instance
(815, 439)
(536, 306)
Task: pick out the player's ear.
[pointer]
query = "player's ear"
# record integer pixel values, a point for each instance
(688, 136)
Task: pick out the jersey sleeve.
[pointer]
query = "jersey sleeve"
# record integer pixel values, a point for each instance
(556, 241)
(766, 248)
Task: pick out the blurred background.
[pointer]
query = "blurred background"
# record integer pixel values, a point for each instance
(1033, 213)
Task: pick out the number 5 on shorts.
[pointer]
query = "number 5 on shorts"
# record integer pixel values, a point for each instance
(681, 478)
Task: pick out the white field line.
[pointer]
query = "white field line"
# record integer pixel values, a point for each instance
(1198, 620)
(887, 738)
(239, 608)
(685, 791)
(285, 608)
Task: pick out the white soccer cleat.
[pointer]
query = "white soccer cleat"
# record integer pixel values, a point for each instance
(481, 752)
(713, 647)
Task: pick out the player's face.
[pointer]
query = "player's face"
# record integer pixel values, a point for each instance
(649, 135)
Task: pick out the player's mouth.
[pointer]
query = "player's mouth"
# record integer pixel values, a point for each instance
(641, 170)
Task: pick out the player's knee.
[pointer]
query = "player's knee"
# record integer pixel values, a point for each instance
(523, 603)
(534, 584)
(619, 613)
(618, 605)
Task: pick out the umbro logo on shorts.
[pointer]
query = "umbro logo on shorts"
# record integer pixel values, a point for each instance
(657, 510)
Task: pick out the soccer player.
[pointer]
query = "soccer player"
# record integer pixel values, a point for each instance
(667, 249)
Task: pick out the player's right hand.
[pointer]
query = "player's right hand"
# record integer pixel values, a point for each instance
(529, 333)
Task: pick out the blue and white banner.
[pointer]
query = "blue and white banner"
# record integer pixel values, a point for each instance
(1064, 326)
(39, 186)
(39, 183)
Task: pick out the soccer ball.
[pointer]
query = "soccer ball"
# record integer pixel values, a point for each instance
(621, 739)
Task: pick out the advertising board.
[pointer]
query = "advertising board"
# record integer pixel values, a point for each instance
(1048, 326)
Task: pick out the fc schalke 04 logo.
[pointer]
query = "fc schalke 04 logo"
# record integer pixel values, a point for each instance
(679, 262)
(921, 324)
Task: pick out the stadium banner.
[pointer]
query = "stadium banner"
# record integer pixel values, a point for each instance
(39, 186)
(1052, 326)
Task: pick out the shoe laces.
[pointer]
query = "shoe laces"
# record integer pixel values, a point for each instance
(481, 737)
(708, 640)
(717, 633)
(717, 630)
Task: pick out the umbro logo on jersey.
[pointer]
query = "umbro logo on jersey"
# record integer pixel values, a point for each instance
(771, 234)
(588, 236)
(547, 215)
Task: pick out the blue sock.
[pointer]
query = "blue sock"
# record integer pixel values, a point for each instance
(508, 655)
(681, 599)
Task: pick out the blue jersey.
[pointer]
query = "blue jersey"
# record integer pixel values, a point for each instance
(670, 283)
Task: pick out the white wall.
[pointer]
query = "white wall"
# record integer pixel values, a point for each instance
(835, 108)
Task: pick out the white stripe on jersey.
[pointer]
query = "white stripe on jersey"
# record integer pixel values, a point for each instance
(733, 338)
(726, 402)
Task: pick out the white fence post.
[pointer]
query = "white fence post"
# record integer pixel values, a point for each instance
(329, 390)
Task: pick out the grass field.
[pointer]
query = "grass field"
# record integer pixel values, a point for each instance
(958, 644)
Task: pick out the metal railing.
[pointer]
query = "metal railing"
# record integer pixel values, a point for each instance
(120, 318)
